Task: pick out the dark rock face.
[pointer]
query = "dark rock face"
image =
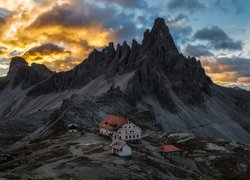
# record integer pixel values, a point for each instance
(159, 40)
(20, 73)
(87, 112)
(157, 64)
(15, 64)
(162, 67)
(159, 70)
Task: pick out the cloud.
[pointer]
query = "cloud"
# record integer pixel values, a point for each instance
(46, 52)
(2, 50)
(197, 50)
(217, 38)
(178, 27)
(78, 13)
(4, 66)
(128, 3)
(4, 12)
(15, 53)
(244, 79)
(125, 29)
(189, 5)
(228, 71)
(46, 49)
(229, 5)
(72, 25)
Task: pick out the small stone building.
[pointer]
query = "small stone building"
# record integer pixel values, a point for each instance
(73, 128)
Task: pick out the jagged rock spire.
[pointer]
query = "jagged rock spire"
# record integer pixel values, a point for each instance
(20, 73)
(16, 63)
(159, 37)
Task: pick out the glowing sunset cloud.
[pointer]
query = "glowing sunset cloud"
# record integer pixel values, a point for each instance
(24, 30)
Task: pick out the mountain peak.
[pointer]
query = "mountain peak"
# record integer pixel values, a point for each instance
(16, 63)
(160, 38)
(160, 25)
(21, 73)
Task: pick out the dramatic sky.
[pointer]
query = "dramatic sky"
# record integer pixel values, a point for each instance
(61, 33)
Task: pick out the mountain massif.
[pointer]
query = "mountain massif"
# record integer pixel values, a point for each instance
(151, 82)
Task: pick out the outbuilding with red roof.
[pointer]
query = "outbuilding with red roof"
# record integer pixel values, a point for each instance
(169, 149)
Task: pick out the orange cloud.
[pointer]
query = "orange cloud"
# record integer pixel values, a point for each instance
(244, 80)
(22, 34)
(227, 71)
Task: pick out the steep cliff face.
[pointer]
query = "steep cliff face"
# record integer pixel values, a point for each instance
(21, 74)
(161, 67)
(157, 64)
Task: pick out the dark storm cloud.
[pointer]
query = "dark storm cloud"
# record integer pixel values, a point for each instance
(45, 49)
(125, 29)
(242, 65)
(82, 14)
(74, 15)
(197, 50)
(129, 3)
(234, 64)
(141, 20)
(189, 5)
(217, 38)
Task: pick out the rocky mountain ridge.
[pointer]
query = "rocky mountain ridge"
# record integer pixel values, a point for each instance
(152, 77)
(21, 74)
(157, 54)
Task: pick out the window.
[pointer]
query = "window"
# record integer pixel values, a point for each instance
(133, 136)
(129, 137)
(120, 137)
(137, 135)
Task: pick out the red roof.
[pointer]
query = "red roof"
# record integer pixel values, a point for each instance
(170, 148)
(113, 122)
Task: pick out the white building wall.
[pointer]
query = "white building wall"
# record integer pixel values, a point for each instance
(73, 130)
(129, 131)
(105, 132)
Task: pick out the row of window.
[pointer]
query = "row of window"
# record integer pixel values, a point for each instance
(131, 136)
(126, 137)
(128, 127)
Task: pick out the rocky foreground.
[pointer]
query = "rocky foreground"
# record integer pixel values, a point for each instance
(87, 156)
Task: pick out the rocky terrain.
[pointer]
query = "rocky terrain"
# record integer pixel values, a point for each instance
(87, 156)
(152, 83)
